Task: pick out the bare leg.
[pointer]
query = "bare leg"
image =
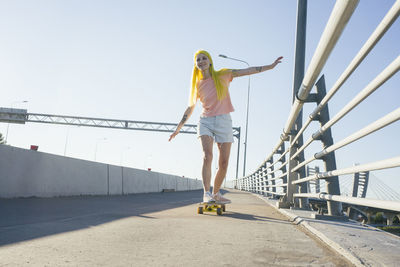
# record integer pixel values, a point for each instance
(207, 144)
(224, 152)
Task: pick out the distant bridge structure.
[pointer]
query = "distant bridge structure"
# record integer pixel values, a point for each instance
(358, 185)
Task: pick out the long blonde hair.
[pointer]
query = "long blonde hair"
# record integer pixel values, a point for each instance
(222, 89)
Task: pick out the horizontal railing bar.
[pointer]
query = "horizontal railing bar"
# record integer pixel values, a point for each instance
(374, 203)
(276, 148)
(388, 119)
(385, 75)
(266, 172)
(303, 163)
(278, 185)
(279, 168)
(373, 127)
(306, 144)
(338, 19)
(278, 160)
(274, 171)
(303, 128)
(279, 177)
(272, 192)
(258, 183)
(377, 165)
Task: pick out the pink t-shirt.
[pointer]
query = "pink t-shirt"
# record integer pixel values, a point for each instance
(207, 93)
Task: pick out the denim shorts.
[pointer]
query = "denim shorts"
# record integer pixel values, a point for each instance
(218, 127)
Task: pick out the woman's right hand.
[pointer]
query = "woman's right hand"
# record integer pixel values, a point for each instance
(186, 116)
(173, 135)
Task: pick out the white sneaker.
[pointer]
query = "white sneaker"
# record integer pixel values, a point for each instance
(220, 199)
(207, 197)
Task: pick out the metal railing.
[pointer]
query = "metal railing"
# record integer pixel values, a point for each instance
(284, 180)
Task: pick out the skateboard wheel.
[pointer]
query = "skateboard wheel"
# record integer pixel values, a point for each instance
(200, 210)
(219, 211)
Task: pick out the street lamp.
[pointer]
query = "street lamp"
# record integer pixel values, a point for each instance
(247, 113)
(8, 125)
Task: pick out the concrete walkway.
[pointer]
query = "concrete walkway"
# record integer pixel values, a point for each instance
(160, 229)
(362, 245)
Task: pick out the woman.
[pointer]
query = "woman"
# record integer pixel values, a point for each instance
(215, 124)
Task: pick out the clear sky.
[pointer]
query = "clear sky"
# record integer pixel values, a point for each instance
(133, 60)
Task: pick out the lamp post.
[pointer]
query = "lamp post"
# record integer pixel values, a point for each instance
(66, 142)
(247, 112)
(8, 125)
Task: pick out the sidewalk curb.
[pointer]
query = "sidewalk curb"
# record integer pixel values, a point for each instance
(297, 220)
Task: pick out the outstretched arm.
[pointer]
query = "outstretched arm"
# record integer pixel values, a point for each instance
(185, 117)
(253, 70)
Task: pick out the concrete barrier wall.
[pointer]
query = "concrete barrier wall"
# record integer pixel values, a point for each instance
(27, 173)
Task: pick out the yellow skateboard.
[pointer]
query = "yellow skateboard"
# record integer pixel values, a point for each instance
(211, 207)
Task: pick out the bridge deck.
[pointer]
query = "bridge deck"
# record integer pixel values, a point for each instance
(153, 229)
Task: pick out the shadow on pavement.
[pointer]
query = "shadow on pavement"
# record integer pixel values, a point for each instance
(251, 217)
(30, 218)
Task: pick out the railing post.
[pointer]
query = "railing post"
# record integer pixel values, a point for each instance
(283, 169)
(332, 184)
(286, 200)
(267, 182)
(264, 171)
(317, 183)
(237, 160)
(291, 176)
(273, 189)
(258, 181)
(297, 79)
(254, 182)
(254, 179)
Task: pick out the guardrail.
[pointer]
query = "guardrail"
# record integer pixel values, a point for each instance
(287, 170)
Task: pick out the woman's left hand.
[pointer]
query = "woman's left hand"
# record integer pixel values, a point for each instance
(277, 61)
